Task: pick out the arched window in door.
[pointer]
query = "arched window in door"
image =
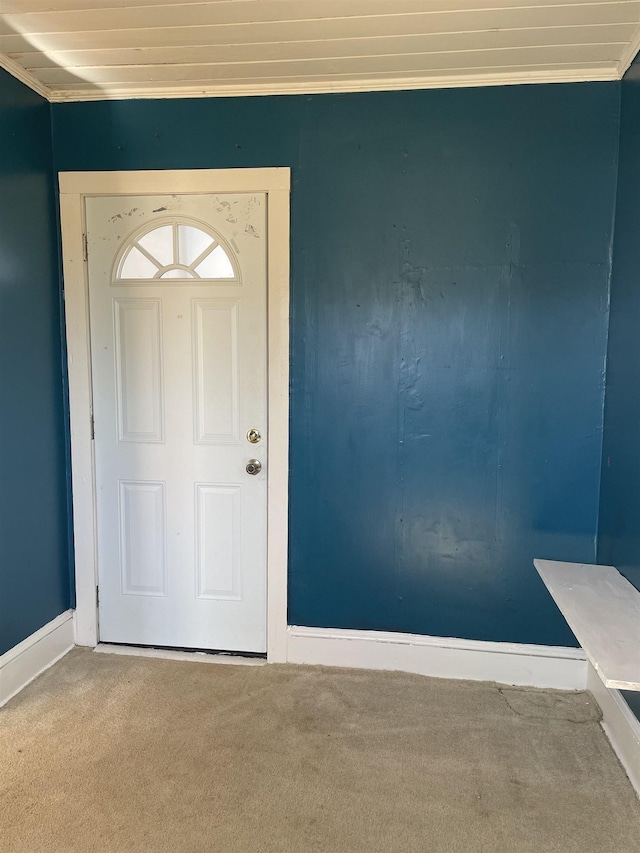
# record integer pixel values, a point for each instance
(176, 249)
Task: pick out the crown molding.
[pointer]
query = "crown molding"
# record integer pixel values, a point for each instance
(615, 71)
(331, 87)
(629, 54)
(20, 73)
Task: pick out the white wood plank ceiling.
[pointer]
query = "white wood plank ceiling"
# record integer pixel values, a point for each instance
(72, 50)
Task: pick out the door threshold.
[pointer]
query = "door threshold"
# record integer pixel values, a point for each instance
(179, 654)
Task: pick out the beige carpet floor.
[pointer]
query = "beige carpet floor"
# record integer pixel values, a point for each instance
(120, 754)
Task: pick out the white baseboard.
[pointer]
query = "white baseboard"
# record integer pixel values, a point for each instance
(440, 657)
(620, 725)
(28, 659)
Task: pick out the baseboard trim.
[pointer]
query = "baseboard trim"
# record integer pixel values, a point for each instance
(24, 662)
(620, 725)
(440, 657)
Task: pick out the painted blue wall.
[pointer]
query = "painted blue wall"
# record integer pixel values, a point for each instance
(450, 273)
(619, 529)
(34, 569)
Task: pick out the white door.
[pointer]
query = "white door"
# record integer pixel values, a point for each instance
(177, 293)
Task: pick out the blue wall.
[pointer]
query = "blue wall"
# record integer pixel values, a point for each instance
(34, 570)
(619, 532)
(450, 273)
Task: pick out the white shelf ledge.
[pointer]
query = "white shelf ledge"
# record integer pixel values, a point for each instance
(603, 611)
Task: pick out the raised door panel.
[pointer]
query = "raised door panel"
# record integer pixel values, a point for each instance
(138, 357)
(218, 541)
(216, 379)
(142, 510)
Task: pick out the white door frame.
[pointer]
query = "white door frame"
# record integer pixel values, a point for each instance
(74, 188)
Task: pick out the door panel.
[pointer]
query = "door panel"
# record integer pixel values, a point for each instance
(177, 288)
(216, 386)
(138, 359)
(218, 532)
(143, 562)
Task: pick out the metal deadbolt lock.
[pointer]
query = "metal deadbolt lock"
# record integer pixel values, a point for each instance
(253, 466)
(253, 436)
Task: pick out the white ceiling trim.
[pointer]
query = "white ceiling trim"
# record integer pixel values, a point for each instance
(20, 73)
(458, 81)
(630, 54)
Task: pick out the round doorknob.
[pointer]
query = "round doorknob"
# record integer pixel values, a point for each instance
(253, 466)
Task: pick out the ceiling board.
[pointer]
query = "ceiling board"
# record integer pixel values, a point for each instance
(83, 50)
(614, 34)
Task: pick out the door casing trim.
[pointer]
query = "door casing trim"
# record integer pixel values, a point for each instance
(74, 188)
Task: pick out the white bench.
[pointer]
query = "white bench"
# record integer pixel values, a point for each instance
(603, 611)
